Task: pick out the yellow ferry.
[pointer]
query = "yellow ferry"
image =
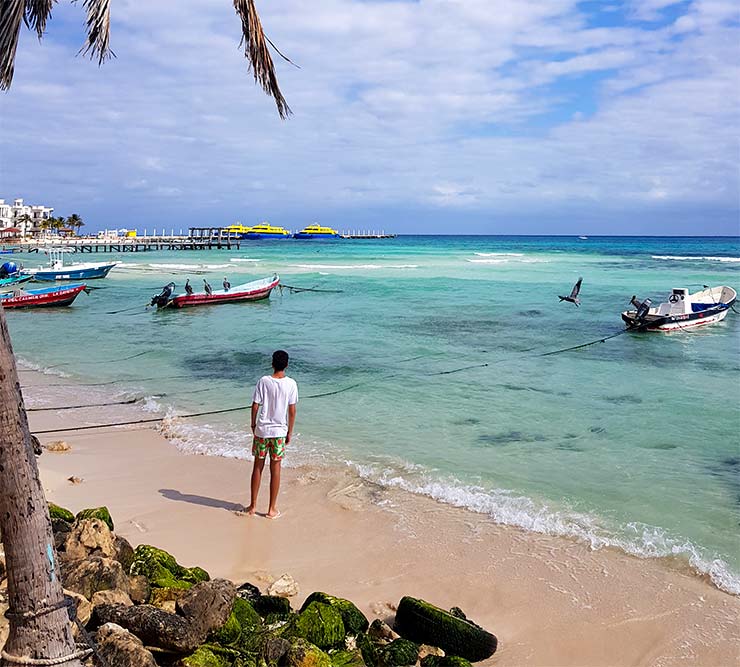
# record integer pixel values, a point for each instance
(317, 232)
(262, 231)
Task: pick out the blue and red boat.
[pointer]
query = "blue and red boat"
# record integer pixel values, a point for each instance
(45, 297)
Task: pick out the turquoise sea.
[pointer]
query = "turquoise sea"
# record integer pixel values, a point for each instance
(633, 442)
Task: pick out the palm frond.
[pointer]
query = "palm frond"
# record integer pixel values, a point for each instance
(11, 16)
(98, 30)
(257, 53)
(37, 12)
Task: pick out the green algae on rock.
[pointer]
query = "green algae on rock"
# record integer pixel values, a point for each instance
(347, 658)
(321, 625)
(303, 653)
(446, 661)
(101, 513)
(162, 570)
(399, 652)
(424, 623)
(266, 605)
(56, 512)
(204, 657)
(354, 620)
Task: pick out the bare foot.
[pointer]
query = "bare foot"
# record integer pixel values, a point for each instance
(250, 511)
(272, 514)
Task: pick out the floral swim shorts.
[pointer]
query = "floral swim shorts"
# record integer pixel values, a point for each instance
(276, 447)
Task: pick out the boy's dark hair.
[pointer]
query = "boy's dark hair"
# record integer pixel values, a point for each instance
(280, 360)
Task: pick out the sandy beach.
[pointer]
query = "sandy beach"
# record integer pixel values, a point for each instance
(550, 600)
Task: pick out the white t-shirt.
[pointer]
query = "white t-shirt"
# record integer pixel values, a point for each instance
(274, 395)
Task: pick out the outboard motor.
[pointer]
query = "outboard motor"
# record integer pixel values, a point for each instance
(163, 298)
(642, 308)
(8, 269)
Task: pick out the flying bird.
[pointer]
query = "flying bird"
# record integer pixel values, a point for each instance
(188, 287)
(208, 288)
(573, 297)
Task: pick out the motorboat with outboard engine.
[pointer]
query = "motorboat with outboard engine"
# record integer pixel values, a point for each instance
(682, 310)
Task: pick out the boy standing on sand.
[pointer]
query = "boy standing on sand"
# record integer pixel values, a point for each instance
(273, 417)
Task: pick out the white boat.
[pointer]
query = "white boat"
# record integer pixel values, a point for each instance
(58, 270)
(682, 310)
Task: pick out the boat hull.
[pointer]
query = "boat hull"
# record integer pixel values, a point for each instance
(70, 273)
(43, 298)
(234, 295)
(330, 237)
(10, 283)
(678, 322)
(249, 236)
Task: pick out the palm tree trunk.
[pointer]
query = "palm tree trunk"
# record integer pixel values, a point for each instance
(39, 622)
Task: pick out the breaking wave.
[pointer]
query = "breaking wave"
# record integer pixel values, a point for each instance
(368, 267)
(708, 258)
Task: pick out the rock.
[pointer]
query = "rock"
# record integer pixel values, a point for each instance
(246, 614)
(75, 480)
(114, 596)
(165, 598)
(89, 537)
(274, 649)
(203, 657)
(347, 658)
(285, 587)
(370, 652)
(321, 625)
(162, 570)
(83, 608)
(381, 631)
(87, 577)
(207, 605)
(399, 652)
(119, 647)
(123, 552)
(248, 592)
(424, 623)
(56, 512)
(57, 446)
(139, 589)
(354, 620)
(272, 605)
(101, 513)
(38, 450)
(153, 626)
(448, 661)
(304, 654)
(426, 649)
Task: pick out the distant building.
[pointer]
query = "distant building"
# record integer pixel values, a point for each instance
(12, 215)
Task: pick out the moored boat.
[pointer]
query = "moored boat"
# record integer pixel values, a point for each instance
(317, 232)
(12, 281)
(682, 310)
(252, 291)
(45, 297)
(265, 231)
(57, 270)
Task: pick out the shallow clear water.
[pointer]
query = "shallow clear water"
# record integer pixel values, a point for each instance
(631, 442)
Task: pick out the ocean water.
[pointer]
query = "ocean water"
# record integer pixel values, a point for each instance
(424, 374)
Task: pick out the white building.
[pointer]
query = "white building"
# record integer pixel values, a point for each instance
(12, 215)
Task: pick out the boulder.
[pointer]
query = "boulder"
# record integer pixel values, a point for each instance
(274, 649)
(304, 654)
(207, 605)
(89, 537)
(354, 620)
(248, 592)
(87, 577)
(155, 627)
(426, 649)
(139, 589)
(162, 570)
(83, 608)
(347, 658)
(123, 552)
(398, 653)
(246, 614)
(101, 513)
(165, 598)
(424, 623)
(56, 512)
(369, 650)
(119, 647)
(285, 587)
(267, 605)
(113, 596)
(444, 661)
(321, 625)
(203, 657)
(57, 446)
(382, 632)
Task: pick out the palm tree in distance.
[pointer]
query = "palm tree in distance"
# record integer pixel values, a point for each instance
(75, 222)
(35, 13)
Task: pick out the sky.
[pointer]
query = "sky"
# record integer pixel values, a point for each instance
(426, 116)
